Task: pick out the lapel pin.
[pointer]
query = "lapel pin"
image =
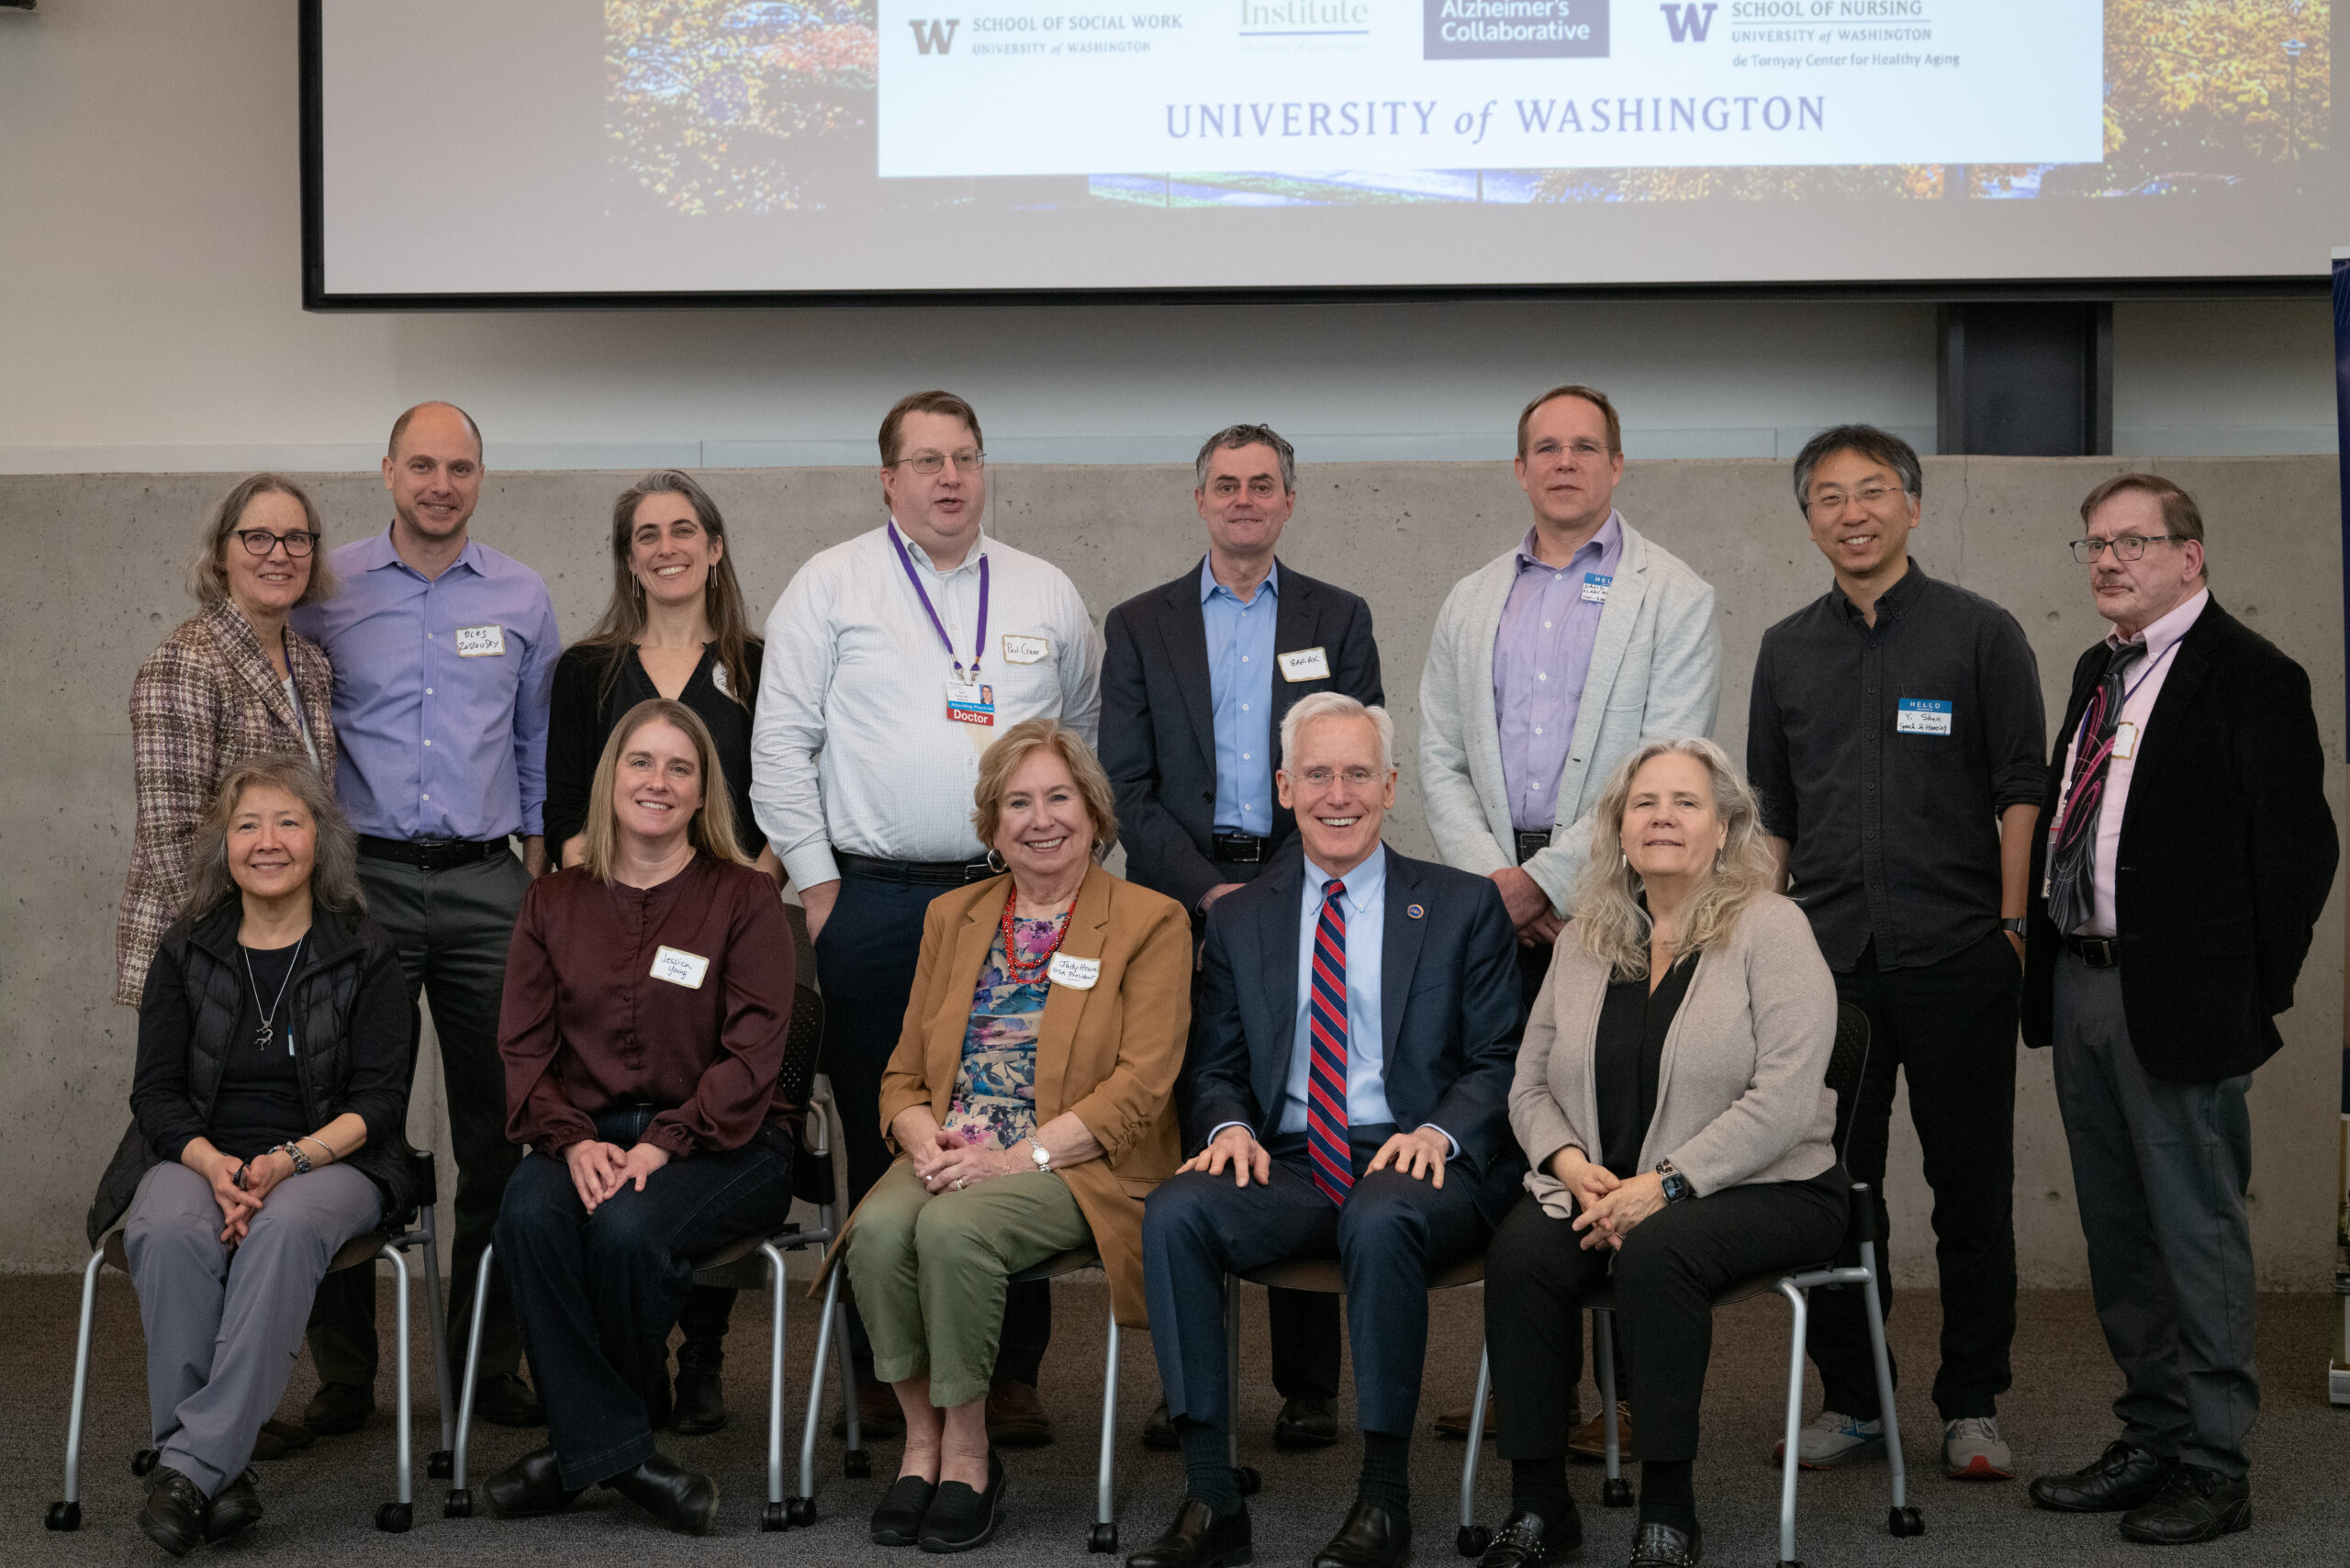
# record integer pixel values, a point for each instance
(1414, 912)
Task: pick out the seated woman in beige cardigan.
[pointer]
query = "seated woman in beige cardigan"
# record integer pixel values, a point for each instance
(1671, 1099)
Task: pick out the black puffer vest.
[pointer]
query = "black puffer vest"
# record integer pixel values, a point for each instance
(202, 956)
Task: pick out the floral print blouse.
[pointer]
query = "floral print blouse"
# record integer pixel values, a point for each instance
(995, 1087)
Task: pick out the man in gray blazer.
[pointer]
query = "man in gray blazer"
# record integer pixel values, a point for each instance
(1549, 665)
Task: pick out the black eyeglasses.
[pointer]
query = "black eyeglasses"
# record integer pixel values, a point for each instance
(261, 542)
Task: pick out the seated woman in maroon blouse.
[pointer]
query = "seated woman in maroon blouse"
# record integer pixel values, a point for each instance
(647, 996)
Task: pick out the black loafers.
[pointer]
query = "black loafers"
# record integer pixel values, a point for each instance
(685, 1500)
(1530, 1540)
(959, 1518)
(2124, 1477)
(699, 1406)
(175, 1511)
(1370, 1538)
(2194, 1505)
(1662, 1546)
(1200, 1538)
(1306, 1422)
(898, 1521)
(1159, 1432)
(238, 1507)
(338, 1407)
(503, 1399)
(529, 1487)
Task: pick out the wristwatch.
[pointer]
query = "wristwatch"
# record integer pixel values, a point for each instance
(1041, 1155)
(2013, 927)
(1676, 1185)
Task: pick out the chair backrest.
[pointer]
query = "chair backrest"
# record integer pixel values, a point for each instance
(1847, 1065)
(812, 1173)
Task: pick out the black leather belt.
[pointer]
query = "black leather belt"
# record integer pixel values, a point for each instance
(931, 873)
(1529, 844)
(2097, 952)
(433, 854)
(1241, 848)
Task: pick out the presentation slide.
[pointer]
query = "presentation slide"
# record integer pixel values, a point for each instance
(662, 148)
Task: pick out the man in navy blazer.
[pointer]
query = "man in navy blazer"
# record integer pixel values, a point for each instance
(1352, 1056)
(1196, 680)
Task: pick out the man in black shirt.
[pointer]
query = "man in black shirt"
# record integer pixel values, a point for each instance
(1896, 741)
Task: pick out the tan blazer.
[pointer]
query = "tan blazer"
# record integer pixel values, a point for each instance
(1110, 1054)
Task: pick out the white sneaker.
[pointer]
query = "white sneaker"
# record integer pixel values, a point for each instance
(1834, 1439)
(1972, 1449)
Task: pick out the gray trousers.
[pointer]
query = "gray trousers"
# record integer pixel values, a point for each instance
(2162, 1170)
(224, 1324)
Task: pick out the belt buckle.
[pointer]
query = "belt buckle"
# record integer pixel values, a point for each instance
(1242, 848)
(2097, 952)
(1529, 844)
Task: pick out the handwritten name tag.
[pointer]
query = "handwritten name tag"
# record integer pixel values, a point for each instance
(481, 642)
(1595, 587)
(1922, 716)
(1020, 649)
(680, 968)
(1078, 974)
(1306, 664)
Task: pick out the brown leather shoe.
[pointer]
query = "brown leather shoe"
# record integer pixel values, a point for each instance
(1587, 1441)
(1453, 1425)
(1016, 1417)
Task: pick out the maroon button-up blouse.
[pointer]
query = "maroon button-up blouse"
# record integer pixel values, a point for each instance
(588, 1027)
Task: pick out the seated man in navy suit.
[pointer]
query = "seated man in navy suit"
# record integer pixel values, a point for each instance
(1353, 1047)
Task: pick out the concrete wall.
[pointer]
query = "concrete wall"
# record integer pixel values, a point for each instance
(101, 554)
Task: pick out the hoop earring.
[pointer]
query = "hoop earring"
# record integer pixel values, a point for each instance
(995, 863)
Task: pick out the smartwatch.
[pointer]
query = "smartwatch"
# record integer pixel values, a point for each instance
(1676, 1185)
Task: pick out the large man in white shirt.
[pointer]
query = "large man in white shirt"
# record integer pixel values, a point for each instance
(892, 661)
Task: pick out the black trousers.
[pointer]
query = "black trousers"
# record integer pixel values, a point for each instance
(1950, 1028)
(1671, 1264)
(865, 959)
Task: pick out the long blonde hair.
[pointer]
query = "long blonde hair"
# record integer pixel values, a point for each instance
(713, 828)
(1610, 920)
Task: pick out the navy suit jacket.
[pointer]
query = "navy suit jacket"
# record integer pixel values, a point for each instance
(1448, 1012)
(1158, 717)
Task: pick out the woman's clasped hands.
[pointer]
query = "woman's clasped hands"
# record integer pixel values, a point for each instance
(949, 1164)
(1607, 1206)
(598, 1169)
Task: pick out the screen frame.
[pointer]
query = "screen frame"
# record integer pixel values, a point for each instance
(2317, 285)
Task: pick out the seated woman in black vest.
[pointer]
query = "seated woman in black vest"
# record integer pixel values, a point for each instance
(275, 1043)
(648, 993)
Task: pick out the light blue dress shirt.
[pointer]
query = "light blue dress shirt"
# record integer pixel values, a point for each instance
(1240, 684)
(1364, 904)
(443, 736)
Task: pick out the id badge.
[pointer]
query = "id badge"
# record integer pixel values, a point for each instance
(1924, 716)
(970, 702)
(1078, 974)
(679, 967)
(2125, 740)
(481, 642)
(1595, 587)
(1306, 664)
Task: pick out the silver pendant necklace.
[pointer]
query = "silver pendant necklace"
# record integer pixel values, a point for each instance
(268, 1030)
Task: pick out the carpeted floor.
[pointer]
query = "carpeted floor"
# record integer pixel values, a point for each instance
(322, 1502)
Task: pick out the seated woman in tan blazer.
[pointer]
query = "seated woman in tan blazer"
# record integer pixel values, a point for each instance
(1029, 1102)
(1670, 1097)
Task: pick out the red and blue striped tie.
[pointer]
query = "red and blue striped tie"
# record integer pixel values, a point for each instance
(1325, 1093)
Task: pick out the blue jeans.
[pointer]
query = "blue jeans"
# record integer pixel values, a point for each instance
(597, 1293)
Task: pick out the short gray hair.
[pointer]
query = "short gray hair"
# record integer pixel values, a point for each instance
(1232, 438)
(1336, 705)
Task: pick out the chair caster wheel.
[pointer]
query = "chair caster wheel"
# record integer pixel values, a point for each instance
(459, 1504)
(1616, 1493)
(1244, 1476)
(1472, 1540)
(395, 1518)
(800, 1512)
(855, 1465)
(63, 1516)
(1102, 1538)
(144, 1461)
(441, 1465)
(772, 1519)
(1904, 1521)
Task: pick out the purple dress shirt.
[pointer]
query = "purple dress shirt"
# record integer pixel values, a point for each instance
(1541, 655)
(440, 692)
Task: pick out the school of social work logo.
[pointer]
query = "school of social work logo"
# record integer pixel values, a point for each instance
(937, 37)
(1514, 29)
(1689, 24)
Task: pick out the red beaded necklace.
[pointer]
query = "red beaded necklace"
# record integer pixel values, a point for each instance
(1019, 971)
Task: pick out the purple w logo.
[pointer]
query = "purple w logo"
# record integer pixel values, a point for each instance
(937, 37)
(1688, 26)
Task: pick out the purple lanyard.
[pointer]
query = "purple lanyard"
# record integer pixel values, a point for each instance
(980, 642)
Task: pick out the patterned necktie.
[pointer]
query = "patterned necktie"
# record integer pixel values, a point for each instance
(1326, 1087)
(2073, 849)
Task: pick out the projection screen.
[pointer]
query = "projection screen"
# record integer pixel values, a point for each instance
(564, 149)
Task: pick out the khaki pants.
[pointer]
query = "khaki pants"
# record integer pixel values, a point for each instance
(930, 1270)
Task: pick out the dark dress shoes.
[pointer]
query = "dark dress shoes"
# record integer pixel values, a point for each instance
(337, 1408)
(529, 1487)
(699, 1406)
(2124, 1477)
(959, 1518)
(879, 1419)
(685, 1500)
(1200, 1538)
(238, 1507)
(503, 1399)
(175, 1514)
(898, 1521)
(1372, 1538)
(1658, 1545)
(1016, 1417)
(277, 1439)
(1306, 1421)
(2194, 1505)
(1158, 1433)
(1530, 1540)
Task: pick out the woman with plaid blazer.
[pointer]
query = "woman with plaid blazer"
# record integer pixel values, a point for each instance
(232, 683)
